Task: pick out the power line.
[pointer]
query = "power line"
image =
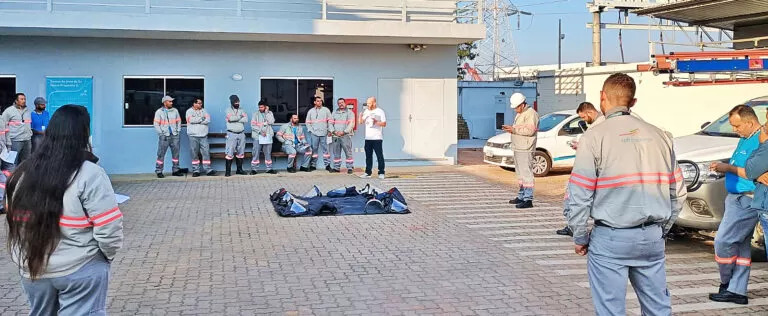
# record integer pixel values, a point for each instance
(541, 3)
(559, 13)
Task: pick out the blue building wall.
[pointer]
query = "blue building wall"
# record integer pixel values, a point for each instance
(479, 101)
(355, 69)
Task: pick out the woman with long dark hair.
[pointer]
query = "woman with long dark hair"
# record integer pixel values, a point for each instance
(64, 226)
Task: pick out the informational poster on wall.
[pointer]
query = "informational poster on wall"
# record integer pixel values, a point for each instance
(61, 91)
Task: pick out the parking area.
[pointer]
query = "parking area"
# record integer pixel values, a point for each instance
(214, 246)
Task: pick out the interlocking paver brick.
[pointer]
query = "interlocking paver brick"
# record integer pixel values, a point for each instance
(213, 246)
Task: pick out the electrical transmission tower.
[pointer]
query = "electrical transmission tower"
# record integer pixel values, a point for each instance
(497, 55)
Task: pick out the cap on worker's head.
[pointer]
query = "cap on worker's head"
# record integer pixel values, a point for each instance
(40, 100)
(516, 99)
(167, 98)
(233, 99)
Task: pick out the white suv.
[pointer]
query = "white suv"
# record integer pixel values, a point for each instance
(705, 205)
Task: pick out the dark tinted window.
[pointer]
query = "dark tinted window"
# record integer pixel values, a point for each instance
(143, 96)
(286, 97)
(7, 91)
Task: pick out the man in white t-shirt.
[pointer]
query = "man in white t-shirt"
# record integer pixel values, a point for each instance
(375, 120)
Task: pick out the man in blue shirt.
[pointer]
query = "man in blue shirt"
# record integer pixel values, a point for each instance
(40, 118)
(732, 242)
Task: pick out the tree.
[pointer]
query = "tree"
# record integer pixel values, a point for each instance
(464, 54)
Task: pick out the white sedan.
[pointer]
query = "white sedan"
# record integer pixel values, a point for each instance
(553, 148)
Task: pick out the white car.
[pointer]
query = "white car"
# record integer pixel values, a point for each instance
(553, 149)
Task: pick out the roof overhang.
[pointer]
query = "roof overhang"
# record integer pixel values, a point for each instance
(181, 27)
(722, 14)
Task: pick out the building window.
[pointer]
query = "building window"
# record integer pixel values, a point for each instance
(7, 91)
(143, 95)
(499, 120)
(288, 96)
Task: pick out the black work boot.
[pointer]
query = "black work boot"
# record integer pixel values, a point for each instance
(228, 168)
(239, 162)
(253, 172)
(723, 288)
(524, 204)
(515, 201)
(729, 297)
(564, 232)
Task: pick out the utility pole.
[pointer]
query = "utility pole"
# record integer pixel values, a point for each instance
(596, 38)
(560, 38)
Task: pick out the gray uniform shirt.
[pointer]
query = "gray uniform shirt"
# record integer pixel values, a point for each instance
(318, 120)
(19, 122)
(91, 224)
(197, 122)
(625, 175)
(526, 129)
(262, 123)
(236, 119)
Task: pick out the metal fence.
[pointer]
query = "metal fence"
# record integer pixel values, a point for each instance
(354, 10)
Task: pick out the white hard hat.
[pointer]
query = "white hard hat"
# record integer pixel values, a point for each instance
(516, 99)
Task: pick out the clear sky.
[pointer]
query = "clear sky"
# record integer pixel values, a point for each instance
(536, 41)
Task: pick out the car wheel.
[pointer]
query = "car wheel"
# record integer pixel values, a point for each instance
(542, 164)
(758, 244)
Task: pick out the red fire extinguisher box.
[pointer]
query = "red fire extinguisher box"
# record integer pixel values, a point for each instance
(352, 104)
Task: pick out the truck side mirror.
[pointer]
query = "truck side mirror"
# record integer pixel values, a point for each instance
(705, 125)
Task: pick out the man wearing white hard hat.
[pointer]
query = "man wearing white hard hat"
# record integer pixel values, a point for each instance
(524, 133)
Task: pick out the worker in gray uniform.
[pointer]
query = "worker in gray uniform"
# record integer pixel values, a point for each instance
(18, 120)
(626, 178)
(295, 143)
(317, 121)
(590, 115)
(235, 146)
(341, 127)
(262, 133)
(524, 133)
(168, 126)
(197, 130)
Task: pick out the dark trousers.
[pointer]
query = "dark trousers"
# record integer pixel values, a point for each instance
(370, 147)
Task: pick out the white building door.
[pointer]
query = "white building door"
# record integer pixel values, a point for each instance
(417, 118)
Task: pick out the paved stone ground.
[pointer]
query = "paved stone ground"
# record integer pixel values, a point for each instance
(214, 246)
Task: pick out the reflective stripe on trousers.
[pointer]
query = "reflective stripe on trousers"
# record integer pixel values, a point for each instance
(162, 148)
(257, 150)
(524, 172)
(733, 249)
(318, 144)
(200, 154)
(339, 144)
(235, 146)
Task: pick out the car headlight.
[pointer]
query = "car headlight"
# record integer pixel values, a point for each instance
(698, 173)
(507, 146)
(690, 172)
(706, 175)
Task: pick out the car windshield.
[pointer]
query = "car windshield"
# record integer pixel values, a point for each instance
(549, 121)
(722, 127)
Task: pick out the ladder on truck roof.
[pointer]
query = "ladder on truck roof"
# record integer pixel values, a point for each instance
(711, 68)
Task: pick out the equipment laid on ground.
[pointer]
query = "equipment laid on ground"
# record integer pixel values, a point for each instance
(341, 201)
